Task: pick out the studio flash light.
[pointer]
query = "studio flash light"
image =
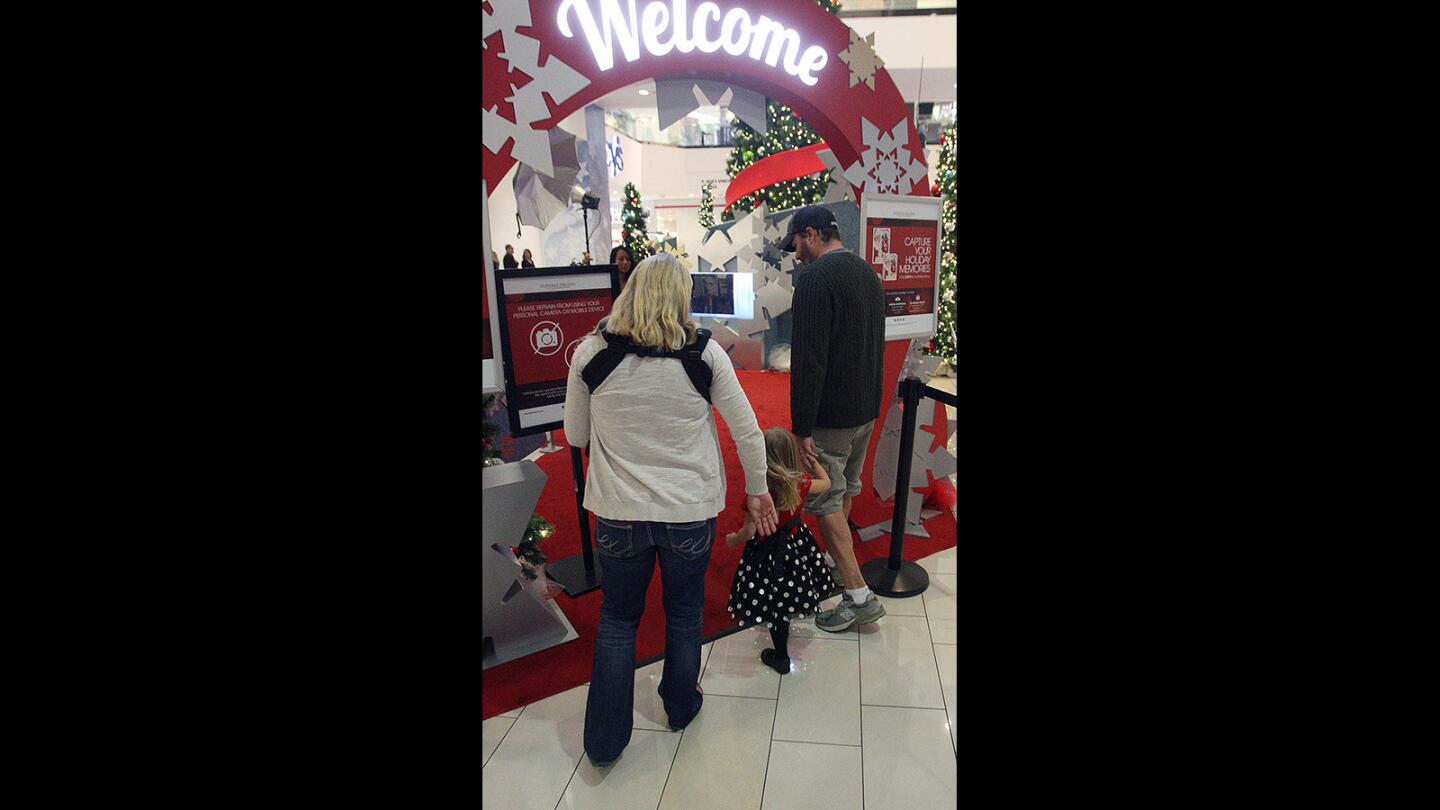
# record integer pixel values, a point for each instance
(587, 201)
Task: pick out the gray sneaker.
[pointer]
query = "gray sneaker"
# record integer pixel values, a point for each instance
(846, 615)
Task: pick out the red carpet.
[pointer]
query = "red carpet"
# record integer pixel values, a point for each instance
(567, 665)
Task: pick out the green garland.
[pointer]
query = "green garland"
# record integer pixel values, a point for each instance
(529, 549)
(943, 344)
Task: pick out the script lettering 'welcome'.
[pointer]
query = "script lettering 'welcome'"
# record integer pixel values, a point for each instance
(736, 34)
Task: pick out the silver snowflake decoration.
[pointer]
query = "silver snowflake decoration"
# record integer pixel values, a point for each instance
(886, 166)
(861, 59)
(676, 98)
(559, 80)
(739, 247)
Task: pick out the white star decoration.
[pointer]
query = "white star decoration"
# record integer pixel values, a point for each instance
(861, 59)
(886, 166)
(559, 80)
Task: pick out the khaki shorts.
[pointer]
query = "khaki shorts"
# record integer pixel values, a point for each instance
(842, 454)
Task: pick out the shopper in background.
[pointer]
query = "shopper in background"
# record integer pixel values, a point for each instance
(495, 257)
(656, 483)
(510, 257)
(625, 260)
(837, 366)
(526, 260)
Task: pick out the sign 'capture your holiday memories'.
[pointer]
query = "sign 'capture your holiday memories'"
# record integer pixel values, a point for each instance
(665, 27)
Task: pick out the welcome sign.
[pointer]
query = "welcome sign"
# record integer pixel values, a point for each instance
(663, 28)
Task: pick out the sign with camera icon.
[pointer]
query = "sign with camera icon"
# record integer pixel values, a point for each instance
(545, 314)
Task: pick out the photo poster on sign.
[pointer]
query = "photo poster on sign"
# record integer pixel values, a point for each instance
(901, 242)
(491, 378)
(544, 316)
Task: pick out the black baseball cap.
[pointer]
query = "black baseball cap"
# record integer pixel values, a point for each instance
(811, 216)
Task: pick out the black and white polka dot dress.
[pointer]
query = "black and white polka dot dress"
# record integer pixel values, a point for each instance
(781, 577)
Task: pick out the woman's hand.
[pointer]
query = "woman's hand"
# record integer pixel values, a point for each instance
(762, 510)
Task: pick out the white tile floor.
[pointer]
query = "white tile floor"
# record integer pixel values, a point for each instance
(860, 721)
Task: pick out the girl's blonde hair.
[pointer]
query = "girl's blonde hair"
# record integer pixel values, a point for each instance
(654, 308)
(783, 468)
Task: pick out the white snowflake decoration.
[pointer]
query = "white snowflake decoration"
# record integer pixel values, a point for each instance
(559, 80)
(861, 59)
(886, 166)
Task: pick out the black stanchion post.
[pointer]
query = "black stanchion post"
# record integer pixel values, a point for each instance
(897, 577)
(578, 573)
(577, 466)
(910, 394)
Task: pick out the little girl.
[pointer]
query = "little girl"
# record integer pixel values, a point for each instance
(783, 576)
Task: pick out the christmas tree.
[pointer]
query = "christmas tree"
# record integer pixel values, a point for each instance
(707, 206)
(783, 132)
(632, 229)
(943, 344)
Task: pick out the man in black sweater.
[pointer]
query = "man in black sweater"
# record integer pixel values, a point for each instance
(837, 369)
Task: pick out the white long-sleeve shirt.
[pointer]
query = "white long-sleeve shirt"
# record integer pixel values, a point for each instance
(654, 449)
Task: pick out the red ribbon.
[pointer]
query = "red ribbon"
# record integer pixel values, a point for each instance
(767, 172)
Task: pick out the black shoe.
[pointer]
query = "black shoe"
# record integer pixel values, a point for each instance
(697, 711)
(779, 663)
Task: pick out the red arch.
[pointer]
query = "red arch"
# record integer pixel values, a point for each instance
(832, 107)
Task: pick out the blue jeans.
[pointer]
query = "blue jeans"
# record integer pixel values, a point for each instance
(627, 557)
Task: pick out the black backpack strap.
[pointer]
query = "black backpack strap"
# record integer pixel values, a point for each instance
(608, 359)
(693, 359)
(604, 361)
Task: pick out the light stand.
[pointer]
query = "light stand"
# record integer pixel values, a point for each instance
(588, 203)
(585, 212)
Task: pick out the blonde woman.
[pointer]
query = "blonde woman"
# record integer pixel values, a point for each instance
(637, 397)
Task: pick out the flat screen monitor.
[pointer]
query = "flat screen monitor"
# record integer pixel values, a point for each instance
(723, 295)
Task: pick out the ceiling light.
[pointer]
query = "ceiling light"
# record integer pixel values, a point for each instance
(644, 92)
